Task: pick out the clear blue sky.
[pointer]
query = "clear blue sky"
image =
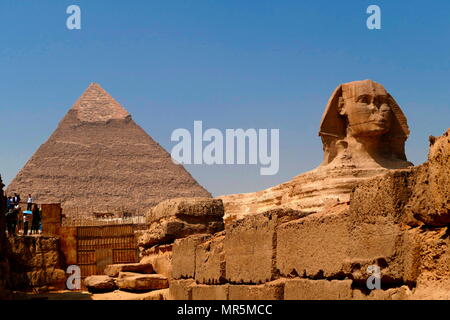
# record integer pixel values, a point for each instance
(230, 63)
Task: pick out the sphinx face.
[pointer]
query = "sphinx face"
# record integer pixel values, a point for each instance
(366, 106)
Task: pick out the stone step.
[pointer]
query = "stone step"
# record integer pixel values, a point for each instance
(162, 294)
(113, 270)
(99, 284)
(138, 282)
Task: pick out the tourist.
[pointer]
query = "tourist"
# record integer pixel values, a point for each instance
(9, 203)
(26, 222)
(11, 221)
(16, 199)
(40, 220)
(36, 219)
(29, 202)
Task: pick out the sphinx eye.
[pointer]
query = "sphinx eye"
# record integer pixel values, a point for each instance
(364, 99)
(385, 108)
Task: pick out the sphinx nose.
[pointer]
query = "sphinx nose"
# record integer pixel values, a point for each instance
(373, 108)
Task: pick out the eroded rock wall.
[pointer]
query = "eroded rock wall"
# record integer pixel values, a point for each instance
(35, 264)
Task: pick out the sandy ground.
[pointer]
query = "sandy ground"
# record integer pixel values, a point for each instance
(84, 295)
(58, 295)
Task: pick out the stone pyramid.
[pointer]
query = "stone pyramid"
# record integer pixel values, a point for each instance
(98, 159)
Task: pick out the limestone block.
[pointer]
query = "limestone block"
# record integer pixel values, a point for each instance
(379, 231)
(183, 258)
(430, 199)
(400, 293)
(141, 282)
(113, 270)
(268, 291)
(210, 261)
(315, 245)
(100, 284)
(306, 289)
(205, 292)
(178, 218)
(195, 207)
(161, 261)
(181, 289)
(169, 229)
(249, 249)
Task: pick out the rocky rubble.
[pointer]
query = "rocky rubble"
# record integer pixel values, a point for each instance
(141, 280)
(178, 218)
(168, 221)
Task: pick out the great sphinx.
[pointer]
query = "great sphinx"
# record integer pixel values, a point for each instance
(363, 132)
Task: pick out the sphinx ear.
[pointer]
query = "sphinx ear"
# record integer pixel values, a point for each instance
(341, 106)
(333, 124)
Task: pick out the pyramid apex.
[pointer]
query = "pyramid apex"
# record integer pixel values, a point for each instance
(96, 105)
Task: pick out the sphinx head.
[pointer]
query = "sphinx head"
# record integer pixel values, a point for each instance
(365, 112)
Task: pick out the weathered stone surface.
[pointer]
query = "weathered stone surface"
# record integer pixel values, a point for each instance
(381, 199)
(178, 218)
(181, 289)
(268, 291)
(210, 261)
(113, 270)
(205, 292)
(168, 230)
(120, 165)
(430, 199)
(306, 289)
(35, 263)
(183, 258)
(141, 282)
(160, 258)
(162, 294)
(315, 246)
(432, 290)
(344, 241)
(401, 293)
(180, 207)
(100, 284)
(434, 278)
(378, 230)
(251, 242)
(363, 132)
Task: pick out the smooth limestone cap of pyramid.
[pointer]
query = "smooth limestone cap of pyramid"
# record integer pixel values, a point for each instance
(96, 105)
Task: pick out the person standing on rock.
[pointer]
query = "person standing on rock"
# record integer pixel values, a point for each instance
(11, 221)
(16, 198)
(9, 203)
(29, 202)
(26, 222)
(36, 220)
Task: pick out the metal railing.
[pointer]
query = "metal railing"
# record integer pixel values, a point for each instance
(101, 216)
